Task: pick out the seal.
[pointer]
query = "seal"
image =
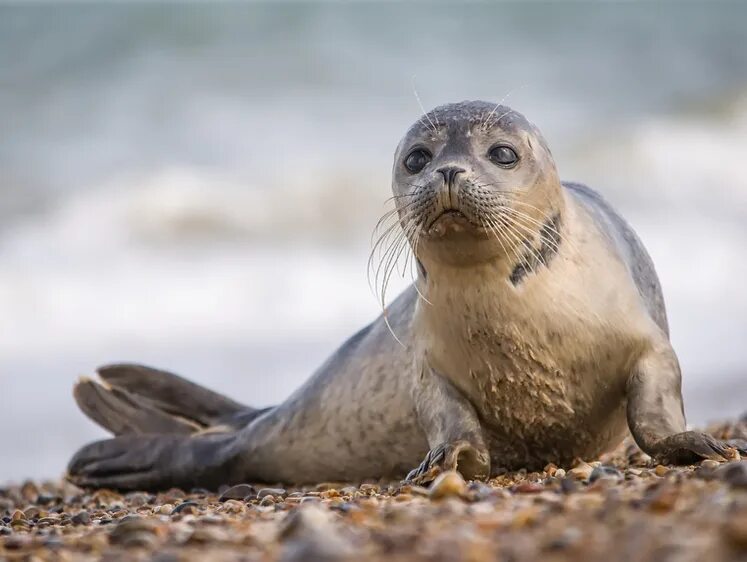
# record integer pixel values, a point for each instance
(535, 332)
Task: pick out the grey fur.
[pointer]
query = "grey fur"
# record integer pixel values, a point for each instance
(492, 373)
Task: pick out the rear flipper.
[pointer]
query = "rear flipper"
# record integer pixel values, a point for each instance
(171, 432)
(134, 399)
(158, 462)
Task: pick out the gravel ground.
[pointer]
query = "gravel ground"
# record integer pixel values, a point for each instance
(621, 507)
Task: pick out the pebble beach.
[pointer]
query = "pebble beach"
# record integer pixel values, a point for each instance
(623, 506)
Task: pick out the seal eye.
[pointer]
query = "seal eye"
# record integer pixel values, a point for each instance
(417, 160)
(503, 155)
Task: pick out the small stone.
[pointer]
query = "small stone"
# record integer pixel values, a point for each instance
(166, 509)
(279, 492)
(45, 499)
(185, 507)
(529, 488)
(138, 499)
(733, 473)
(568, 485)
(663, 498)
(604, 472)
(18, 515)
(267, 500)
(133, 531)
(559, 473)
(448, 484)
(81, 518)
(310, 533)
(238, 492)
(29, 492)
(581, 471)
(661, 470)
(233, 506)
(710, 464)
(477, 491)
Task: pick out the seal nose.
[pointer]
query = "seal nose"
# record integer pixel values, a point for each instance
(450, 173)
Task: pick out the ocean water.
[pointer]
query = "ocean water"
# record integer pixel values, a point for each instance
(195, 187)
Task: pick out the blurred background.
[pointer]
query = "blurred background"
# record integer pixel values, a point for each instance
(195, 187)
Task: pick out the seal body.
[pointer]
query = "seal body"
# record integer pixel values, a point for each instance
(535, 332)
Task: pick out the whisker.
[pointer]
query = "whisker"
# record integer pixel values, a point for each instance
(420, 103)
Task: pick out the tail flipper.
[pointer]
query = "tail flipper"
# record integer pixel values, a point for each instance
(134, 399)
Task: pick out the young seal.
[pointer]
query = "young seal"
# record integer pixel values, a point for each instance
(535, 333)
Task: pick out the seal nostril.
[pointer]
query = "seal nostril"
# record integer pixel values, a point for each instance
(450, 173)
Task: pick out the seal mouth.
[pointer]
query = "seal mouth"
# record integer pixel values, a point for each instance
(450, 219)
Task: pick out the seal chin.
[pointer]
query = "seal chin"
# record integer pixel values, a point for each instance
(451, 221)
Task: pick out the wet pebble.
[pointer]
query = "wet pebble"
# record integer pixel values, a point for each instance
(605, 472)
(278, 492)
(134, 531)
(187, 507)
(310, 533)
(238, 492)
(81, 518)
(733, 473)
(568, 485)
(448, 484)
(582, 471)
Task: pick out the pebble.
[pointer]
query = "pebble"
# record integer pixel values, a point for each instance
(663, 498)
(238, 492)
(133, 531)
(448, 484)
(187, 507)
(582, 471)
(521, 515)
(310, 533)
(529, 488)
(568, 485)
(661, 470)
(604, 472)
(280, 492)
(734, 473)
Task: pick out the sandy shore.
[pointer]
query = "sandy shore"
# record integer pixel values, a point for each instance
(621, 507)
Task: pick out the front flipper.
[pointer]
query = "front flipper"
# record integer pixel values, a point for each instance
(656, 415)
(472, 463)
(453, 431)
(157, 462)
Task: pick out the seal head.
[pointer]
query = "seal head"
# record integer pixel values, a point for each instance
(464, 174)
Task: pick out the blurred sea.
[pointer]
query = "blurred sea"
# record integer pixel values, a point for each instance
(194, 187)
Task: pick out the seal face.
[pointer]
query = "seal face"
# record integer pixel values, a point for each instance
(535, 333)
(463, 171)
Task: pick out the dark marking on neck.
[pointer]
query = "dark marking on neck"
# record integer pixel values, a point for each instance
(535, 257)
(421, 270)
